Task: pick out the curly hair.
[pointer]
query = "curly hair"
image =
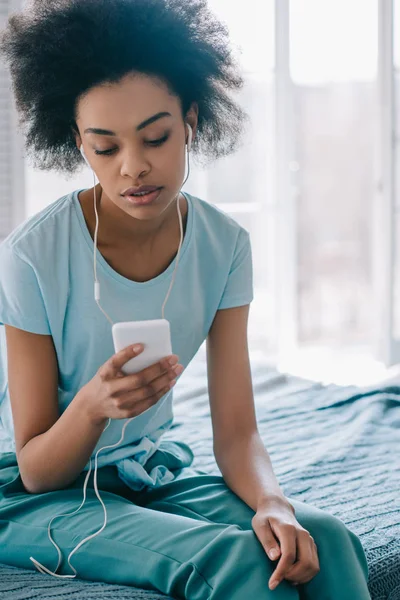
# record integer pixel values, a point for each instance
(57, 50)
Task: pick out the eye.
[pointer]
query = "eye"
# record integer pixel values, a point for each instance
(159, 142)
(105, 152)
(153, 143)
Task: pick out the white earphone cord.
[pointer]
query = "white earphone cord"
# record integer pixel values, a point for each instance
(38, 565)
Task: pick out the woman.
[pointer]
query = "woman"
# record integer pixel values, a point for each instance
(127, 82)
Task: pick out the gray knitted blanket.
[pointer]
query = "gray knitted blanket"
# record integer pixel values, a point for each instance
(337, 448)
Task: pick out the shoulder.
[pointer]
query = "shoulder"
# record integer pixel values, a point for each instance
(216, 227)
(35, 233)
(30, 267)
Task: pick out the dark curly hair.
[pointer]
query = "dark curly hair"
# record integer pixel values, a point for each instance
(58, 50)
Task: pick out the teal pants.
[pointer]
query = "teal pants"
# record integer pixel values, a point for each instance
(190, 538)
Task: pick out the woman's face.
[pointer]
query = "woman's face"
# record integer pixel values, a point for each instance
(129, 152)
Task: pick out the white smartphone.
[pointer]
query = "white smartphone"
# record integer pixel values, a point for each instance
(155, 335)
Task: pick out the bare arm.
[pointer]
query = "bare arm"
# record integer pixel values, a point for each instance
(238, 448)
(52, 450)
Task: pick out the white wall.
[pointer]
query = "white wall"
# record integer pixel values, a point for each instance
(43, 188)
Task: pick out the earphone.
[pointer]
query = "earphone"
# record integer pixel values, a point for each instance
(96, 282)
(190, 138)
(38, 565)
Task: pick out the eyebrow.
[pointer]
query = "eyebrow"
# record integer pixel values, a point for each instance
(146, 123)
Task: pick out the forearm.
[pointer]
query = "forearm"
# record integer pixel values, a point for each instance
(247, 470)
(54, 459)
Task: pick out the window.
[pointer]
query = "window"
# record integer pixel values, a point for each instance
(333, 63)
(304, 182)
(242, 184)
(396, 147)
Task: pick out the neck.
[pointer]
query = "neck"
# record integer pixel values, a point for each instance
(117, 228)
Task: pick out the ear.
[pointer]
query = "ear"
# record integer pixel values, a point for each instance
(75, 131)
(192, 117)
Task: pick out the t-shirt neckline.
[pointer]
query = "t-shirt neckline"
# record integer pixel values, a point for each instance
(114, 274)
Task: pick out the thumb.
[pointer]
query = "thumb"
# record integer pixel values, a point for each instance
(268, 541)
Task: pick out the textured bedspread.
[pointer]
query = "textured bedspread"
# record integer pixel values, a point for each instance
(337, 448)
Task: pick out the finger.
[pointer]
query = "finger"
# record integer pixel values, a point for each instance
(143, 405)
(136, 380)
(149, 374)
(307, 564)
(158, 369)
(147, 385)
(146, 392)
(114, 365)
(268, 540)
(150, 400)
(287, 538)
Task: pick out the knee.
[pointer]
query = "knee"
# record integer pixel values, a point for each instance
(326, 528)
(333, 525)
(337, 535)
(331, 534)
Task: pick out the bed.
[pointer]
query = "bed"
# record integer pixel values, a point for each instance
(337, 448)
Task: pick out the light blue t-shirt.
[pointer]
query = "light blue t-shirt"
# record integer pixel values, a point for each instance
(47, 287)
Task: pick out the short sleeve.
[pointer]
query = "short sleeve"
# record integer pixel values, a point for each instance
(239, 287)
(21, 301)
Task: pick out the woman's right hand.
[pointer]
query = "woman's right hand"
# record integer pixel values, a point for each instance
(113, 395)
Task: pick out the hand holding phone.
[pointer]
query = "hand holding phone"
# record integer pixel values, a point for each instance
(113, 395)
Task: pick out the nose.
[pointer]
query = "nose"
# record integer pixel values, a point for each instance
(134, 164)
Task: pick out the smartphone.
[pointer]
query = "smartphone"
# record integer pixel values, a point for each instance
(155, 335)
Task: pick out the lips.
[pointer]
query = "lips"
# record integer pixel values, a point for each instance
(144, 200)
(138, 190)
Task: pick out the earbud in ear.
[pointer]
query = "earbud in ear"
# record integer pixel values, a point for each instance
(190, 138)
(84, 156)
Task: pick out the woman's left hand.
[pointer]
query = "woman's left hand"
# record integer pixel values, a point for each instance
(277, 529)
